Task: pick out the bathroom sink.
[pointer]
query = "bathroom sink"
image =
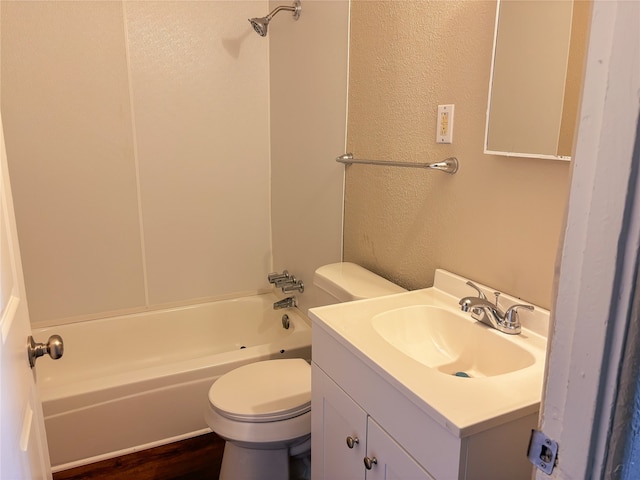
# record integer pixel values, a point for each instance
(450, 342)
(422, 344)
(444, 387)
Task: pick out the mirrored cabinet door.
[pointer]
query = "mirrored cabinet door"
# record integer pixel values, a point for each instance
(536, 77)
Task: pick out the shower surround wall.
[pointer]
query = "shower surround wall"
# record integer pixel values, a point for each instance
(138, 141)
(308, 68)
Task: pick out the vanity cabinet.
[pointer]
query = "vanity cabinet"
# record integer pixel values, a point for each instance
(352, 397)
(349, 444)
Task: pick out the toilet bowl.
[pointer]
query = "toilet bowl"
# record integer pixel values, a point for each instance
(263, 410)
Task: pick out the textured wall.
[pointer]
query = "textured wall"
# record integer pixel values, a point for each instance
(138, 140)
(498, 220)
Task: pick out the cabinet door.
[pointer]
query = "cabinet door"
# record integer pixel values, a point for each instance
(388, 460)
(335, 418)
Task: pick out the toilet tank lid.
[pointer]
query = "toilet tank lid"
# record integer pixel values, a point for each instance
(348, 281)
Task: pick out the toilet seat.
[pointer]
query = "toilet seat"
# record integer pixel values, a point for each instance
(260, 392)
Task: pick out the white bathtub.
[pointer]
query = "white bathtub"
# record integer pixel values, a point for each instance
(136, 381)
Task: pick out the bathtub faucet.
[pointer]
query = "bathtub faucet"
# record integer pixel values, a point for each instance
(286, 282)
(285, 303)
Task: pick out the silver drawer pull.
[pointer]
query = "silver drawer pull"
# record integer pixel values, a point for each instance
(370, 462)
(352, 441)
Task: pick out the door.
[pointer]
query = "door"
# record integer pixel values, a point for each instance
(23, 443)
(339, 426)
(597, 274)
(386, 460)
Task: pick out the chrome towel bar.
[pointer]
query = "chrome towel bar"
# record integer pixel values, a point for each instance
(448, 165)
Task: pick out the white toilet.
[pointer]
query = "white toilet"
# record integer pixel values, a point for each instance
(263, 410)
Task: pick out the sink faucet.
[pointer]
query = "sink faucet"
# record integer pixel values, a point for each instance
(477, 289)
(486, 312)
(478, 313)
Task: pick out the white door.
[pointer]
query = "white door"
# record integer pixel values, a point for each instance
(23, 444)
(596, 278)
(392, 462)
(339, 429)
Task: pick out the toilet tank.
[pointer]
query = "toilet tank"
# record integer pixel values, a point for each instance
(347, 281)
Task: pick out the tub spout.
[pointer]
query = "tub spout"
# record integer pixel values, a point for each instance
(285, 303)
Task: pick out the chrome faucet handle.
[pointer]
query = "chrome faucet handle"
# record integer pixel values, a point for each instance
(478, 313)
(290, 287)
(291, 280)
(511, 316)
(480, 293)
(275, 276)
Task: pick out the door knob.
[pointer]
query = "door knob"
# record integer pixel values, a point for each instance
(54, 347)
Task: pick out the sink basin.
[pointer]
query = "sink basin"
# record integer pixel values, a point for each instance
(450, 342)
(422, 344)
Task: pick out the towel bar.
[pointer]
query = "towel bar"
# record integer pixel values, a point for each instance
(448, 165)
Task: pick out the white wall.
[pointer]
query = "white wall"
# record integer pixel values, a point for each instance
(308, 120)
(137, 135)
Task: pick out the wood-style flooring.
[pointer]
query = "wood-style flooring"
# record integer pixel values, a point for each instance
(196, 458)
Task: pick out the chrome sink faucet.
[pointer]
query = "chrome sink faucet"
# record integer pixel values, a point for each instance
(490, 314)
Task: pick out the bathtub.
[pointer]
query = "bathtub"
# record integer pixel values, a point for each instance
(136, 381)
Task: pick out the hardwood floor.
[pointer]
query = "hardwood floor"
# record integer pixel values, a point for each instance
(197, 458)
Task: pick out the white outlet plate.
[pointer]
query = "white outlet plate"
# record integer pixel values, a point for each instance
(444, 129)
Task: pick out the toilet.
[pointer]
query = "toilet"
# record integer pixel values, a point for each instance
(263, 410)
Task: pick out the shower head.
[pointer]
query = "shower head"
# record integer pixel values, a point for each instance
(260, 24)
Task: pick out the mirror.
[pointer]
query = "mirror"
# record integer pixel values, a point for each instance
(536, 75)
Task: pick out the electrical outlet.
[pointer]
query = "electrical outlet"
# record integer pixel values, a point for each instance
(444, 129)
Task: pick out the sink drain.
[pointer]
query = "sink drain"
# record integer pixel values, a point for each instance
(462, 374)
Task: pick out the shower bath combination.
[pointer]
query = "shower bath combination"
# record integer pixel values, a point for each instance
(260, 24)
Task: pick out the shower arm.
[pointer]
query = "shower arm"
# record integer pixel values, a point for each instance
(295, 9)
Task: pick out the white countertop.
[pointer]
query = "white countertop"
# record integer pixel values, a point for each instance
(462, 405)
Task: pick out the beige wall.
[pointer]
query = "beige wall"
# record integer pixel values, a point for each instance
(137, 136)
(308, 61)
(497, 220)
